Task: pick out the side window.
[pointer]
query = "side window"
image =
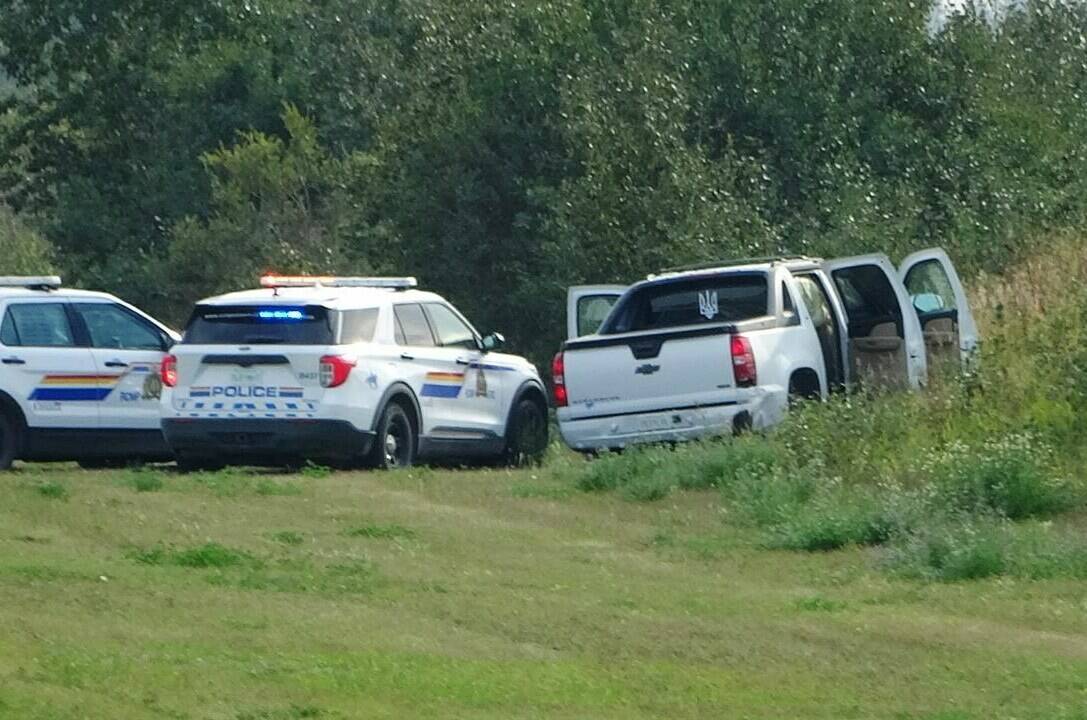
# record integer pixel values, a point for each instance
(36, 325)
(411, 326)
(113, 327)
(811, 293)
(451, 330)
(787, 305)
(358, 326)
(592, 310)
(930, 288)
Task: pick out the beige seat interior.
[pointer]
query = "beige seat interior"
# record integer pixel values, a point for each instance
(879, 360)
(941, 341)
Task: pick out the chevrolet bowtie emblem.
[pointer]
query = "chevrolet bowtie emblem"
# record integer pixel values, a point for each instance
(647, 369)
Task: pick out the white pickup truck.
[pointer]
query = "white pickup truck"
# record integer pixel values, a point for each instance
(714, 349)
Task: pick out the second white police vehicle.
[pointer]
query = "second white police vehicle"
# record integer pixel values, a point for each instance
(707, 350)
(345, 370)
(79, 376)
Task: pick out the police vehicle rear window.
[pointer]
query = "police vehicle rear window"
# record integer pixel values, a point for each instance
(691, 301)
(250, 325)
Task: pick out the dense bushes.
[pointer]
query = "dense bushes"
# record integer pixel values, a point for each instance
(954, 482)
(503, 151)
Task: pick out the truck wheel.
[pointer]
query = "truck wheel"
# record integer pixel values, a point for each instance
(394, 445)
(803, 385)
(526, 439)
(9, 441)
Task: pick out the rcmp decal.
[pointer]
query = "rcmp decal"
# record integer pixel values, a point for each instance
(75, 388)
(54, 389)
(443, 385)
(450, 384)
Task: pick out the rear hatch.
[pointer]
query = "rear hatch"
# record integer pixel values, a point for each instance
(666, 346)
(253, 361)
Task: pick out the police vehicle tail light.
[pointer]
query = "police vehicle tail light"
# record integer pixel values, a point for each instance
(288, 281)
(334, 369)
(558, 380)
(743, 362)
(168, 371)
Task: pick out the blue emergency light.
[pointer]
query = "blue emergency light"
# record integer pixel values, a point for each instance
(292, 315)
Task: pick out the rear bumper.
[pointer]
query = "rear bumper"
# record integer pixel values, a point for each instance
(255, 440)
(763, 409)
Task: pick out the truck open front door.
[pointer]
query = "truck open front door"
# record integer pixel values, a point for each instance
(939, 298)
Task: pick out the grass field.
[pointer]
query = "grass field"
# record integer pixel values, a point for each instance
(489, 594)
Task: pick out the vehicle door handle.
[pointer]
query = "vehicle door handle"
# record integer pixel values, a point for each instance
(116, 364)
(463, 361)
(13, 361)
(405, 356)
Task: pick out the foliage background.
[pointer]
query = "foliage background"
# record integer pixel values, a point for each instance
(502, 151)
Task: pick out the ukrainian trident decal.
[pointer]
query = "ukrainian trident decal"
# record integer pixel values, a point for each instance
(707, 304)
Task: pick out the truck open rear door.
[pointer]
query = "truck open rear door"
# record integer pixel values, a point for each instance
(587, 306)
(886, 345)
(939, 298)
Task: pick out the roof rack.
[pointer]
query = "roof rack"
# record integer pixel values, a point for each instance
(288, 281)
(732, 262)
(30, 282)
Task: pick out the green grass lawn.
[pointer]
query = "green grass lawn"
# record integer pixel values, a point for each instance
(485, 594)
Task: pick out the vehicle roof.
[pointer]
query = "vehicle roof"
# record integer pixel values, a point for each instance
(334, 298)
(59, 293)
(702, 272)
(746, 265)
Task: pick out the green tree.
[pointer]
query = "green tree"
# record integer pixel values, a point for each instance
(22, 251)
(277, 205)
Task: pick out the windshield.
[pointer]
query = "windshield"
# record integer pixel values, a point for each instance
(253, 325)
(691, 301)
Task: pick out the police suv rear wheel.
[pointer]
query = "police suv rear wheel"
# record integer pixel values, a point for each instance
(394, 446)
(9, 441)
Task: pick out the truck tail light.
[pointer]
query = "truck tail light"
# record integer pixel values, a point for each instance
(743, 362)
(334, 370)
(168, 371)
(558, 380)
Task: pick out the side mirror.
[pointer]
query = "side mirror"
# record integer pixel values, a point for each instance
(493, 342)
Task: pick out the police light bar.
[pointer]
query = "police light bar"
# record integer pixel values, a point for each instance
(287, 281)
(48, 282)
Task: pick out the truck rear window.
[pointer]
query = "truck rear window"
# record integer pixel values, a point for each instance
(691, 301)
(253, 325)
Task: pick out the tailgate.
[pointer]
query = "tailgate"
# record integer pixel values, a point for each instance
(649, 372)
(270, 381)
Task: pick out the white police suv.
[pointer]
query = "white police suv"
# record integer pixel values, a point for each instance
(79, 375)
(345, 370)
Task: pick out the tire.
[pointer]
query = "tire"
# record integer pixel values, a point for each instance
(9, 441)
(801, 389)
(394, 443)
(188, 462)
(526, 438)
